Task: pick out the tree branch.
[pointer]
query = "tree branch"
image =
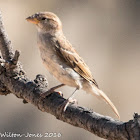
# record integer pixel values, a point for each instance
(5, 44)
(14, 80)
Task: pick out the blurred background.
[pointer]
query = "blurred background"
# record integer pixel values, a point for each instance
(106, 33)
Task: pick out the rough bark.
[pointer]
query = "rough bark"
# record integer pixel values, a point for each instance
(14, 80)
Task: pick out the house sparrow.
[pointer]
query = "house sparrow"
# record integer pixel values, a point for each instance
(61, 59)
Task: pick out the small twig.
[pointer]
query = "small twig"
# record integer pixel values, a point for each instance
(5, 44)
(12, 64)
(16, 56)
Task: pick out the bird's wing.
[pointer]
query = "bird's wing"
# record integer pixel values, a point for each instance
(68, 53)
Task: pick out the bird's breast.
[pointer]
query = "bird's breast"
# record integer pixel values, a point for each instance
(55, 65)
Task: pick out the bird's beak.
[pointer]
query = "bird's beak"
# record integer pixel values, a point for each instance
(32, 20)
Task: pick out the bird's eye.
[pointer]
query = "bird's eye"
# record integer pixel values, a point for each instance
(43, 18)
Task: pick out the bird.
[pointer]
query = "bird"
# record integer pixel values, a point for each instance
(62, 60)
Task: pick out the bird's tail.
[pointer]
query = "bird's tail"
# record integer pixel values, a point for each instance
(108, 101)
(100, 94)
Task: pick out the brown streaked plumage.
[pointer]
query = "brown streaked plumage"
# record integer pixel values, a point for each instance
(61, 59)
(69, 54)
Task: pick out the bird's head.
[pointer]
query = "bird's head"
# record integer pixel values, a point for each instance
(46, 21)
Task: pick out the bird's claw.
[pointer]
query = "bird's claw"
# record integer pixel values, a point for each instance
(69, 101)
(60, 93)
(45, 94)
